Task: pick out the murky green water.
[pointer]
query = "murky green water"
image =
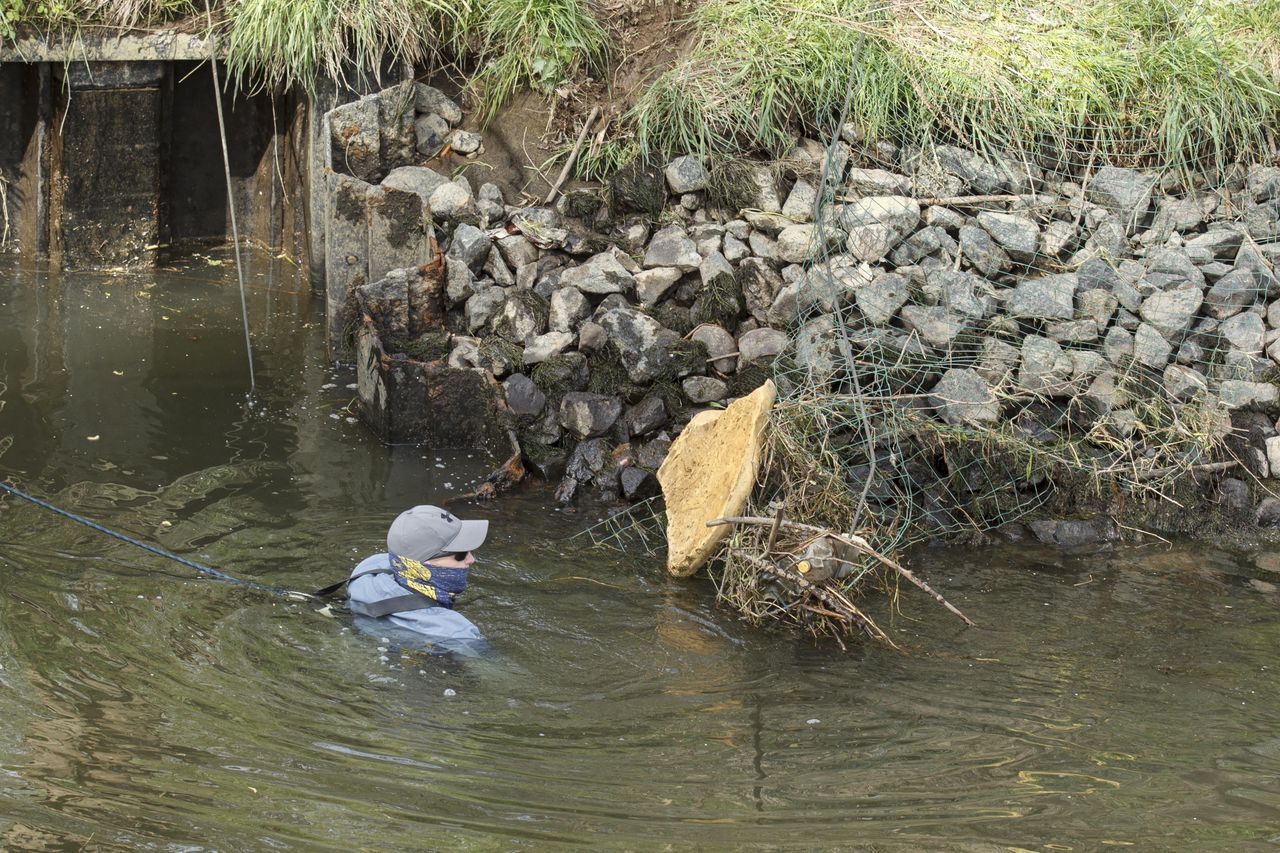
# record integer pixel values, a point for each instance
(1122, 698)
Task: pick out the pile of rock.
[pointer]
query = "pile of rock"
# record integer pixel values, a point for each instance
(607, 326)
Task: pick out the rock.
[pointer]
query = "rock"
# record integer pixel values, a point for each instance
(877, 182)
(1244, 332)
(962, 293)
(1183, 383)
(432, 131)
(638, 484)
(762, 344)
(542, 347)
(943, 217)
(1240, 394)
(977, 247)
(519, 320)
(962, 398)
(524, 398)
(652, 285)
(415, 179)
(1117, 345)
(387, 302)
(707, 236)
(881, 300)
(734, 249)
(1169, 268)
(760, 284)
(1268, 512)
(922, 244)
(686, 175)
(1233, 496)
(428, 99)
(900, 213)
(1017, 235)
(766, 189)
(483, 307)
(1085, 364)
(459, 281)
(646, 416)
(567, 308)
(1097, 305)
(646, 347)
(1072, 331)
(1044, 367)
(979, 175)
(1057, 237)
(1051, 297)
(763, 246)
(671, 247)
(592, 337)
(1150, 348)
(936, 326)
(1232, 293)
(1125, 192)
(799, 244)
(490, 203)
(704, 389)
(996, 360)
(1217, 243)
(497, 269)
(588, 415)
(816, 351)
(871, 243)
(1171, 311)
(454, 202)
(717, 274)
(517, 251)
(465, 353)
(1263, 183)
(720, 346)
(464, 142)
(801, 202)
(601, 274)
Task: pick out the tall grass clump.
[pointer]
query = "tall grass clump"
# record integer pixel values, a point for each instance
(282, 43)
(1186, 84)
(538, 44)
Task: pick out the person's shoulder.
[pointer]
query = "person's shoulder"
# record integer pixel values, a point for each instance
(375, 561)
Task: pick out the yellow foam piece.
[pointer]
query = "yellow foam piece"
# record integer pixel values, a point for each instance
(709, 473)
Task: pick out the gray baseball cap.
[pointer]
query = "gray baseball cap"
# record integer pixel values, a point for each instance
(429, 531)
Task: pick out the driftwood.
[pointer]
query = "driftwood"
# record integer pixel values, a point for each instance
(858, 544)
(503, 478)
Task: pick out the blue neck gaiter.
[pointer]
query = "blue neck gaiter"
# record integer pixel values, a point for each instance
(441, 584)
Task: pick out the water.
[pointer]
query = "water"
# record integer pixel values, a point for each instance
(1123, 698)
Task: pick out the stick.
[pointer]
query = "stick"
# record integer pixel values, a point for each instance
(573, 155)
(773, 534)
(859, 544)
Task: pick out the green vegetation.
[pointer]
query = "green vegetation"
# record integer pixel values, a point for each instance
(271, 43)
(1153, 82)
(1188, 84)
(536, 44)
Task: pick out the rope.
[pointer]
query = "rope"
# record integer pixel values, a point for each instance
(199, 567)
(231, 203)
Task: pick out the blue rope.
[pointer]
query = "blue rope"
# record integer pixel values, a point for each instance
(199, 567)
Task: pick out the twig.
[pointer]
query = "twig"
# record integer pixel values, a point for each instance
(848, 613)
(573, 155)
(773, 532)
(859, 544)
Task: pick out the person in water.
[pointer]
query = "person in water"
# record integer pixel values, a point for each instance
(414, 586)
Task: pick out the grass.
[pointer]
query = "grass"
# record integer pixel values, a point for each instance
(534, 44)
(1162, 83)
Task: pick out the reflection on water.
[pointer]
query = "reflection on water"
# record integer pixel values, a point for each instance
(1117, 698)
